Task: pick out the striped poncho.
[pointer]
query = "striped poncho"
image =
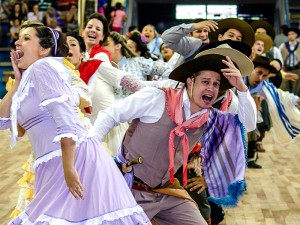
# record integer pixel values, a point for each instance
(224, 158)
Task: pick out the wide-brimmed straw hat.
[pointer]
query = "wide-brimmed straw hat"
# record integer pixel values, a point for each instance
(263, 24)
(264, 62)
(240, 25)
(211, 59)
(266, 39)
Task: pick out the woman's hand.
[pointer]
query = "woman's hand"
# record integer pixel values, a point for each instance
(233, 75)
(73, 182)
(14, 56)
(71, 175)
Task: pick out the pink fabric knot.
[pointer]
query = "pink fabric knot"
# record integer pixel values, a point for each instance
(179, 131)
(144, 39)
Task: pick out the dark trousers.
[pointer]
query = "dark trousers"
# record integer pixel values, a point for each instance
(262, 127)
(200, 199)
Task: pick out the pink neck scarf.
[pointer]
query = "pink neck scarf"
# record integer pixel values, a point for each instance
(225, 105)
(174, 107)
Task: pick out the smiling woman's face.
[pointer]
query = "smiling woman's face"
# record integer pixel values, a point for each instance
(93, 33)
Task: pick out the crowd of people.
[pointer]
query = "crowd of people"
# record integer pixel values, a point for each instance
(144, 128)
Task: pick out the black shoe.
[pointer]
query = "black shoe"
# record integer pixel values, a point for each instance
(254, 165)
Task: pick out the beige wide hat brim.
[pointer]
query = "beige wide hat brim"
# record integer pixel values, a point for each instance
(235, 23)
(211, 59)
(266, 39)
(243, 63)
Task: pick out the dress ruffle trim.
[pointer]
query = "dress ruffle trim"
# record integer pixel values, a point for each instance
(57, 153)
(109, 217)
(5, 119)
(28, 178)
(66, 135)
(16, 104)
(47, 157)
(59, 99)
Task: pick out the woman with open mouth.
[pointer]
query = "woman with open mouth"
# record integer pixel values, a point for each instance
(76, 180)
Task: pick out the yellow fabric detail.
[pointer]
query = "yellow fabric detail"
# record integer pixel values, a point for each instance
(22, 181)
(283, 74)
(15, 213)
(67, 63)
(10, 83)
(28, 177)
(80, 113)
(26, 166)
(29, 194)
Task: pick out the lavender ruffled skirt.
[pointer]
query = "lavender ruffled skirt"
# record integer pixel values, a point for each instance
(107, 198)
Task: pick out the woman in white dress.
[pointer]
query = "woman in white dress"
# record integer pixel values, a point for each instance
(101, 77)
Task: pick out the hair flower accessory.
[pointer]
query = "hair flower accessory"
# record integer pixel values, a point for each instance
(144, 38)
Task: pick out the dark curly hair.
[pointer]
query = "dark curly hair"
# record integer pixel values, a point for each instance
(47, 39)
(140, 45)
(79, 39)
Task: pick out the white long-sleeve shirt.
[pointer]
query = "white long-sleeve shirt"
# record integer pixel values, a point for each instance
(148, 105)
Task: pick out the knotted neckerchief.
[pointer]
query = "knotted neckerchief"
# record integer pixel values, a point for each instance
(98, 48)
(87, 69)
(174, 107)
(291, 54)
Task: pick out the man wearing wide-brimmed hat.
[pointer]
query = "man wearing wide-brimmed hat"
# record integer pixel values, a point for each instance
(166, 126)
(235, 29)
(264, 27)
(228, 102)
(232, 29)
(270, 102)
(262, 44)
(291, 54)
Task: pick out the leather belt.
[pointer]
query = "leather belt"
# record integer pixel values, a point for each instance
(140, 185)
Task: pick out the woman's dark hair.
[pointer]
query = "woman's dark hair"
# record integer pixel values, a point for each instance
(101, 18)
(119, 39)
(132, 28)
(47, 39)
(140, 45)
(118, 5)
(13, 8)
(79, 39)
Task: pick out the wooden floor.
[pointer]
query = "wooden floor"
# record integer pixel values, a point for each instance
(272, 197)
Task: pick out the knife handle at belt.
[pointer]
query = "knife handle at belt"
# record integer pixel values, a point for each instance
(138, 160)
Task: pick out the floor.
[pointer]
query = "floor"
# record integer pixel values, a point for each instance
(272, 197)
